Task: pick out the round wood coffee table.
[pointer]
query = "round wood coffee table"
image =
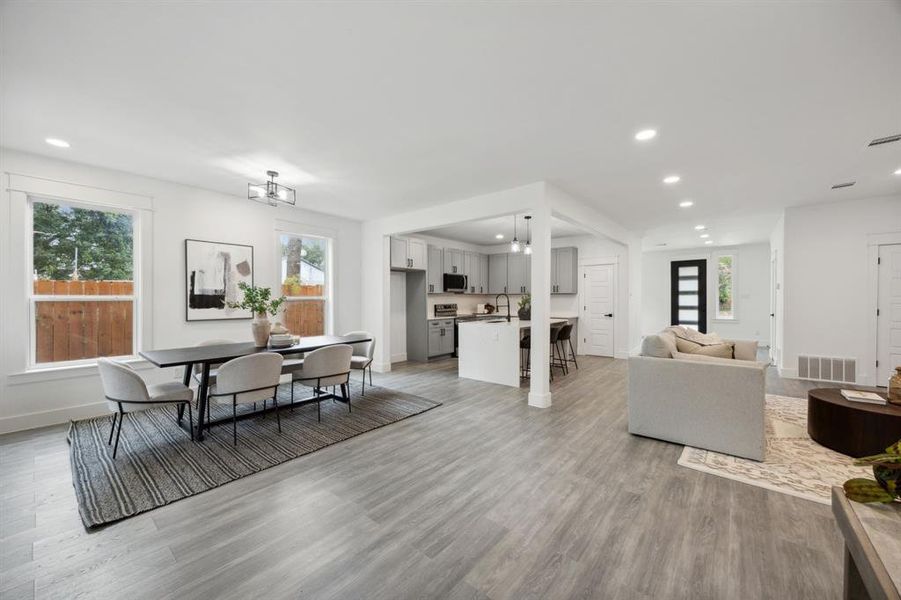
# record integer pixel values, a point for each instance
(853, 428)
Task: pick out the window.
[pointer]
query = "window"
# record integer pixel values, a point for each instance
(305, 275)
(725, 299)
(688, 294)
(82, 298)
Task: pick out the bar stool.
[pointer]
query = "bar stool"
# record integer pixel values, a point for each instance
(525, 343)
(556, 360)
(564, 339)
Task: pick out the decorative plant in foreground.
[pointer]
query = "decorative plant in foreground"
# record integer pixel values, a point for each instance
(887, 471)
(525, 301)
(258, 300)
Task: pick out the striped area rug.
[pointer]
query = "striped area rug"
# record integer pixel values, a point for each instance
(157, 463)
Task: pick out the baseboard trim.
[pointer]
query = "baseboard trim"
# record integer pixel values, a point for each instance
(540, 399)
(52, 417)
(380, 367)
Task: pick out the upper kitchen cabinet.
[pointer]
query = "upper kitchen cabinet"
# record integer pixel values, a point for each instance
(564, 271)
(497, 273)
(483, 273)
(472, 268)
(453, 261)
(435, 275)
(519, 274)
(408, 254)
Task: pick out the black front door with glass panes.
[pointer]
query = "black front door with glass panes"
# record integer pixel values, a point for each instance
(688, 293)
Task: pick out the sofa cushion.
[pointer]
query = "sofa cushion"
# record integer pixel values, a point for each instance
(745, 350)
(660, 345)
(719, 360)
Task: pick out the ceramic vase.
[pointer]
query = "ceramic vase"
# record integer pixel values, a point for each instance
(260, 327)
(525, 313)
(894, 387)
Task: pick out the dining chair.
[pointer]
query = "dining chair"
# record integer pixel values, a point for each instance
(326, 367)
(362, 355)
(198, 368)
(248, 380)
(127, 392)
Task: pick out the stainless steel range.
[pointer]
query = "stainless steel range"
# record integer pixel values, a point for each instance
(445, 310)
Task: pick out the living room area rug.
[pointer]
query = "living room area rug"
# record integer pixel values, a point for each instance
(794, 464)
(158, 464)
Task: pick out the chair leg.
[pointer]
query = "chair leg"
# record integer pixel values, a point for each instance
(119, 431)
(318, 407)
(112, 429)
(364, 382)
(190, 420)
(235, 422)
(180, 411)
(561, 352)
(278, 418)
(573, 353)
(345, 393)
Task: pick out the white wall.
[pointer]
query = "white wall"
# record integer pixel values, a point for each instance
(178, 212)
(777, 256)
(752, 290)
(827, 285)
(398, 316)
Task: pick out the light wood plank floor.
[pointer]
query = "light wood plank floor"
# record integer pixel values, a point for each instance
(483, 497)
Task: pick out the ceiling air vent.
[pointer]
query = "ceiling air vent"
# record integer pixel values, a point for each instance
(885, 140)
(839, 186)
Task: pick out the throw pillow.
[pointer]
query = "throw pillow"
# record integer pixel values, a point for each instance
(724, 350)
(654, 345)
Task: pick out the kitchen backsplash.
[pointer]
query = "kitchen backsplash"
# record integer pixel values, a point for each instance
(466, 303)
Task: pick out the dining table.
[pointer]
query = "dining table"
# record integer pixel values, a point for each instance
(204, 356)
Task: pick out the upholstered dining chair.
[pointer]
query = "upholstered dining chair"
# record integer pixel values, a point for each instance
(363, 355)
(326, 367)
(248, 380)
(198, 368)
(126, 392)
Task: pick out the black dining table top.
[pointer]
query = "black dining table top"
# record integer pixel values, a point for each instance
(217, 353)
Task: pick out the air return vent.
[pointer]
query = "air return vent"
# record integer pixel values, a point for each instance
(885, 140)
(839, 186)
(827, 369)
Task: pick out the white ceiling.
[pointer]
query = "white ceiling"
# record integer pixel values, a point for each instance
(483, 232)
(394, 106)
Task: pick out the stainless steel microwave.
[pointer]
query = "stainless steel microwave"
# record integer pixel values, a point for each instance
(454, 282)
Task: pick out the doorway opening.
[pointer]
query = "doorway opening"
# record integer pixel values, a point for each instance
(688, 294)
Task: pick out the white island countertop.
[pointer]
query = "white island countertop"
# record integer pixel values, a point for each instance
(489, 349)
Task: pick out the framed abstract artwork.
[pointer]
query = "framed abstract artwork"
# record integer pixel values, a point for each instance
(213, 271)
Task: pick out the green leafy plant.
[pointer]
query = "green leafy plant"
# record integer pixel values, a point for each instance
(525, 301)
(258, 300)
(887, 471)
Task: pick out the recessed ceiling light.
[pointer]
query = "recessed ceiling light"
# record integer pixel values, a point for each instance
(897, 171)
(645, 135)
(57, 142)
(700, 227)
(670, 179)
(686, 203)
(499, 236)
(704, 236)
(709, 242)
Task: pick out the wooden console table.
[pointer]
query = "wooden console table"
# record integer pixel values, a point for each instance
(872, 535)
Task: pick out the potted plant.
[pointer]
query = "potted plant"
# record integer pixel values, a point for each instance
(259, 301)
(887, 473)
(525, 307)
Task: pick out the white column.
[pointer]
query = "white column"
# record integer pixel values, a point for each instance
(376, 297)
(539, 386)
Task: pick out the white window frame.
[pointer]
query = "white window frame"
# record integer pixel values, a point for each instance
(328, 296)
(716, 288)
(33, 299)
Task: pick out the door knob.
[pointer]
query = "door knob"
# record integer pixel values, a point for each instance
(608, 315)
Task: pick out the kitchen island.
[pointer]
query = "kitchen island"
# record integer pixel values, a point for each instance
(489, 349)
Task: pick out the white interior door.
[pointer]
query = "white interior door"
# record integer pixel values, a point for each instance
(888, 321)
(597, 319)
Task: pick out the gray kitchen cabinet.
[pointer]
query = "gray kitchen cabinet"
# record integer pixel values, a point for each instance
(453, 261)
(399, 258)
(519, 276)
(408, 254)
(441, 337)
(497, 273)
(473, 272)
(483, 273)
(564, 271)
(435, 268)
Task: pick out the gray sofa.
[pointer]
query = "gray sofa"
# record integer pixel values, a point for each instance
(697, 400)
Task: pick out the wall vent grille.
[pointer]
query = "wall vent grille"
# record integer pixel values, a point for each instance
(823, 368)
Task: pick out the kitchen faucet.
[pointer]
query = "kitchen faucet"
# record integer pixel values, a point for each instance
(496, 303)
